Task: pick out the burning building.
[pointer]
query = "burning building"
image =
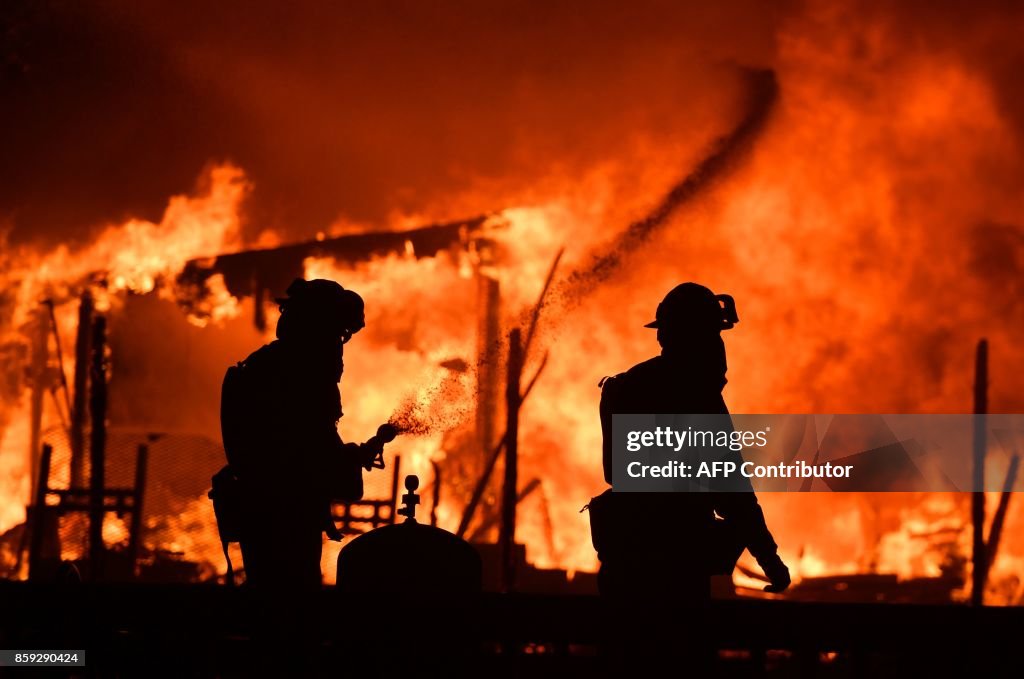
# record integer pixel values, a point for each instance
(858, 192)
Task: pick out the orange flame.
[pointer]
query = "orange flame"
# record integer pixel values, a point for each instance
(869, 238)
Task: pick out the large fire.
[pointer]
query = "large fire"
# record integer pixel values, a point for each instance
(859, 230)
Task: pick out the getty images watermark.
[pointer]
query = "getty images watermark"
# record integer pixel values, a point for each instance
(839, 453)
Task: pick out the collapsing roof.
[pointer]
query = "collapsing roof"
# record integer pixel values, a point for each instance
(273, 269)
(266, 273)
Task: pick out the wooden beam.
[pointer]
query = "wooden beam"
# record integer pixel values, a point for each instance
(979, 552)
(79, 405)
(39, 386)
(38, 514)
(97, 447)
(999, 518)
(507, 536)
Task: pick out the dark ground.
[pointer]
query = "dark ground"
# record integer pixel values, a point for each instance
(208, 630)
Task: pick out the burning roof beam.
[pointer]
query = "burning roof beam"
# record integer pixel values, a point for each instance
(272, 270)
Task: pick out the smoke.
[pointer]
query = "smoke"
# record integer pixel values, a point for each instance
(358, 112)
(763, 92)
(353, 112)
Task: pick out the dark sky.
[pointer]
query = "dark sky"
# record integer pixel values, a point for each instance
(334, 109)
(358, 109)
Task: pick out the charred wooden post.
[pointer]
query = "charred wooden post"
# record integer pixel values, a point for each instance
(995, 532)
(979, 560)
(38, 525)
(481, 484)
(507, 537)
(478, 491)
(488, 341)
(40, 361)
(79, 406)
(139, 495)
(539, 306)
(97, 445)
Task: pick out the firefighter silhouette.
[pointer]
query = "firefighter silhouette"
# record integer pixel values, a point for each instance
(280, 409)
(670, 543)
